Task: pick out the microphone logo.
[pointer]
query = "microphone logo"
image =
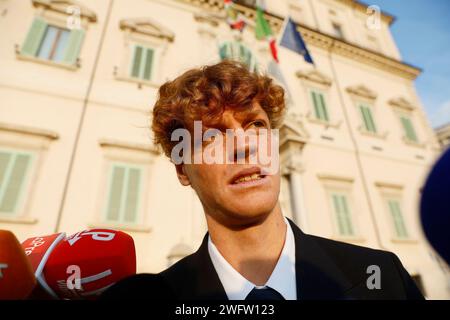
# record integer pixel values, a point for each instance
(2, 266)
(74, 280)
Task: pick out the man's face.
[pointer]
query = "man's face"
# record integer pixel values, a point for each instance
(236, 194)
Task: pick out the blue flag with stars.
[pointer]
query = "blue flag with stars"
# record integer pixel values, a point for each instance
(293, 40)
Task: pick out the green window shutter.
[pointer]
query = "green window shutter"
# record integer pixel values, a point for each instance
(115, 193)
(342, 214)
(34, 37)
(397, 217)
(223, 51)
(132, 199)
(123, 202)
(148, 64)
(4, 161)
(338, 213)
(409, 129)
(73, 46)
(13, 180)
(320, 108)
(136, 66)
(347, 217)
(323, 107)
(316, 104)
(366, 114)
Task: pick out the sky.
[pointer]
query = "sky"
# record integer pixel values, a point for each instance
(422, 34)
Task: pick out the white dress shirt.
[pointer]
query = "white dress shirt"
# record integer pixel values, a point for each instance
(282, 278)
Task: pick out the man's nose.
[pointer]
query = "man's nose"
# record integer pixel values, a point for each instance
(244, 146)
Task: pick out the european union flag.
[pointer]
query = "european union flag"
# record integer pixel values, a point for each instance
(293, 40)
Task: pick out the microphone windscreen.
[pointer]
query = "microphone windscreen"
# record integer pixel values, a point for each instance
(17, 278)
(87, 263)
(435, 207)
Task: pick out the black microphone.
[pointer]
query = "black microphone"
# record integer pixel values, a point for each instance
(435, 207)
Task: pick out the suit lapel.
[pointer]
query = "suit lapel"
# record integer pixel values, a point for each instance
(208, 284)
(317, 275)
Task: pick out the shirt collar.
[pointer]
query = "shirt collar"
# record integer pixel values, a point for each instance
(282, 279)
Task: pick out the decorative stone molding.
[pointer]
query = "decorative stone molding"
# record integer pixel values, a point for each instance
(362, 91)
(326, 41)
(293, 163)
(402, 103)
(62, 6)
(47, 134)
(213, 19)
(388, 185)
(147, 26)
(112, 143)
(333, 177)
(314, 76)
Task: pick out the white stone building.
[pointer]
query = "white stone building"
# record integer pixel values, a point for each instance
(79, 78)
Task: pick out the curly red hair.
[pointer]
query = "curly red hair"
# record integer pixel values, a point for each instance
(204, 94)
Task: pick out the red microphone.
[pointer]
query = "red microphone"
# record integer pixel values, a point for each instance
(38, 250)
(87, 263)
(17, 279)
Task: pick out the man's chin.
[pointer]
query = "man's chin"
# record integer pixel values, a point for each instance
(246, 216)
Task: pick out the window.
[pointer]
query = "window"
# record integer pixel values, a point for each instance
(367, 118)
(397, 219)
(234, 50)
(410, 133)
(342, 214)
(124, 194)
(142, 62)
(52, 43)
(14, 170)
(320, 107)
(337, 29)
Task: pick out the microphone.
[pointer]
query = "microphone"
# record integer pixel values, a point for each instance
(17, 279)
(87, 263)
(435, 207)
(38, 250)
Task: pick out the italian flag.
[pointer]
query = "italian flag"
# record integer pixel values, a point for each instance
(263, 31)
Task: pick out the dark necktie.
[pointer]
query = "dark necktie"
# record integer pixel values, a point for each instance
(264, 294)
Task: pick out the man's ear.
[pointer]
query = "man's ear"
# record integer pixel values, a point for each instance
(181, 174)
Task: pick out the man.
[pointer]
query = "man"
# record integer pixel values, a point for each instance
(250, 251)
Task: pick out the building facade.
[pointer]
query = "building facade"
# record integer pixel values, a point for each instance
(78, 81)
(443, 135)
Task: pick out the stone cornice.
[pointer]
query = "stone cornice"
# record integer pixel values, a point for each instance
(362, 7)
(62, 5)
(324, 41)
(148, 27)
(47, 134)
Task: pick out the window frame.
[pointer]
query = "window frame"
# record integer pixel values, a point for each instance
(140, 201)
(70, 59)
(408, 116)
(24, 193)
(392, 223)
(350, 217)
(253, 67)
(370, 107)
(324, 94)
(155, 61)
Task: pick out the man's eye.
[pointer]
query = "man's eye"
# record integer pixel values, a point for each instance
(259, 124)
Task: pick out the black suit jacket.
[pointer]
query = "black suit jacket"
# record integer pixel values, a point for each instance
(325, 269)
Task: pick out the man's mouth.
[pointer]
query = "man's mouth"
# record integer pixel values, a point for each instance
(248, 175)
(252, 177)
